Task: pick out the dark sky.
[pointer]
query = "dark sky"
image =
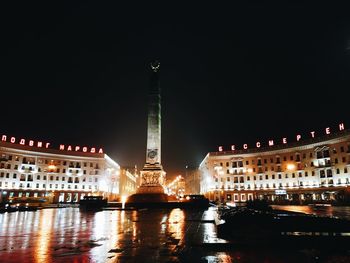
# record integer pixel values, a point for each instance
(76, 73)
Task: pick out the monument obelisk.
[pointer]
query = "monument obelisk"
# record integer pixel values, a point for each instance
(152, 174)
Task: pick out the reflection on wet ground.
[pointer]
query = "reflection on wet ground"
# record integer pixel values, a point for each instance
(174, 235)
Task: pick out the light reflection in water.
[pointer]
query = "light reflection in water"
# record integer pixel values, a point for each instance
(177, 223)
(43, 240)
(69, 235)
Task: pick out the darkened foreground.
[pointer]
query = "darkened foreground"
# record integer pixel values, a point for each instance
(260, 225)
(138, 235)
(91, 203)
(163, 201)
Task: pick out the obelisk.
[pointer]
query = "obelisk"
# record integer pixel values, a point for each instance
(152, 174)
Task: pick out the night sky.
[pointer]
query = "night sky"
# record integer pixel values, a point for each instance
(77, 73)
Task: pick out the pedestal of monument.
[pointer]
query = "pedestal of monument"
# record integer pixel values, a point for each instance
(151, 192)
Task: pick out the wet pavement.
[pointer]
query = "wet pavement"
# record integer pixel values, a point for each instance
(155, 235)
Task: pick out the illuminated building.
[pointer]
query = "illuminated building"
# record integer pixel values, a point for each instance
(64, 174)
(128, 179)
(177, 186)
(303, 171)
(192, 180)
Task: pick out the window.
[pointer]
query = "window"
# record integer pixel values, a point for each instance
(265, 161)
(247, 162)
(338, 171)
(273, 176)
(300, 174)
(345, 170)
(322, 174)
(342, 149)
(14, 176)
(279, 176)
(336, 160)
(266, 177)
(271, 160)
(284, 158)
(306, 174)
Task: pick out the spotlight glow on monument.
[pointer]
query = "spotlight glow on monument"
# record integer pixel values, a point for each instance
(151, 189)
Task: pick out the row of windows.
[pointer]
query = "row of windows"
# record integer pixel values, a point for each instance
(320, 163)
(57, 170)
(31, 160)
(281, 185)
(322, 174)
(319, 155)
(49, 186)
(30, 177)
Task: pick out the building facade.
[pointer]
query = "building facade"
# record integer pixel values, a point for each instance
(192, 180)
(59, 175)
(128, 181)
(303, 172)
